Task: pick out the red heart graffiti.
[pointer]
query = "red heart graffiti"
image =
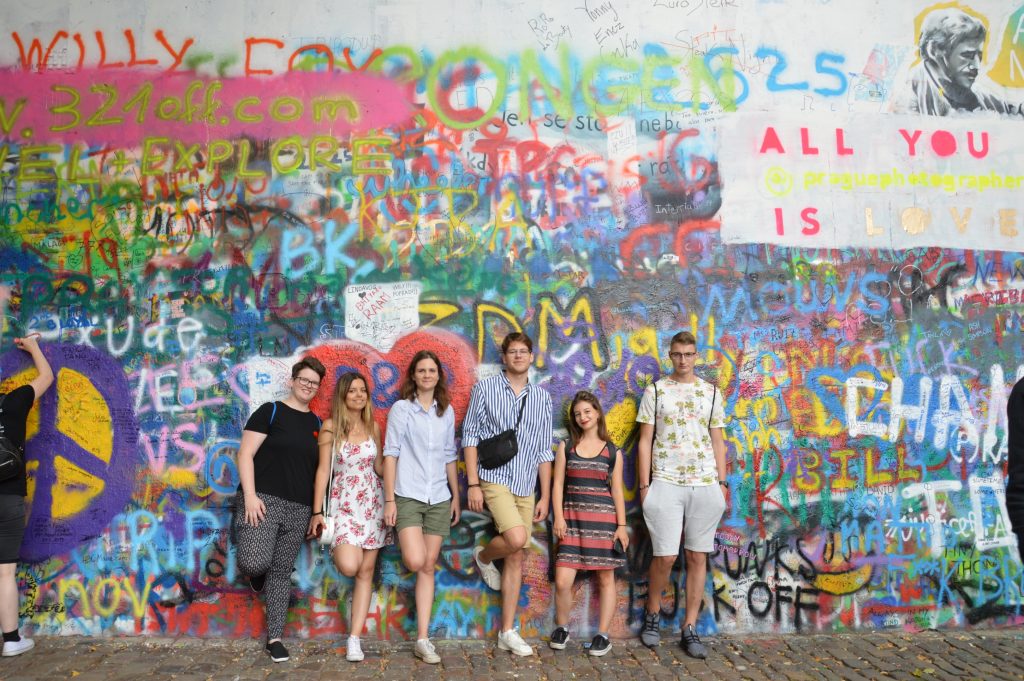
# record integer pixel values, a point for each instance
(385, 373)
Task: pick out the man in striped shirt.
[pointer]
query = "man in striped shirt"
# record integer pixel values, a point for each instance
(509, 491)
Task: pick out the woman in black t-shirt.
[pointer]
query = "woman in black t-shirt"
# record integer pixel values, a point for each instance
(277, 460)
(14, 409)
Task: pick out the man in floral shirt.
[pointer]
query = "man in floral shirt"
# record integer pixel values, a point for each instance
(682, 483)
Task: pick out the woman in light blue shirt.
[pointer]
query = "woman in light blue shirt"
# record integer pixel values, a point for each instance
(421, 488)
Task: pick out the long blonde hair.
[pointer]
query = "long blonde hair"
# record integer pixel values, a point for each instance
(339, 412)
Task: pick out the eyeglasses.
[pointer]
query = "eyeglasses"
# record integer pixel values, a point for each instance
(675, 356)
(308, 383)
(517, 353)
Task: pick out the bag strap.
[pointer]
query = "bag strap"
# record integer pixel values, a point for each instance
(522, 408)
(654, 433)
(714, 394)
(613, 453)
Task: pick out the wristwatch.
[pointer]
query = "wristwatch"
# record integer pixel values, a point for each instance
(724, 482)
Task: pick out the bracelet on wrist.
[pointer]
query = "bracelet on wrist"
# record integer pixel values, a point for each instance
(318, 513)
(622, 526)
(644, 486)
(389, 501)
(475, 484)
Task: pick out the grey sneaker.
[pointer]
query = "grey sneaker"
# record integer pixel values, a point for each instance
(650, 634)
(692, 645)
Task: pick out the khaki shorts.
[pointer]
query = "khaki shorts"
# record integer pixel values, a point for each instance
(433, 518)
(507, 509)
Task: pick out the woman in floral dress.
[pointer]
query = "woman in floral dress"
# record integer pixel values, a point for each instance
(350, 453)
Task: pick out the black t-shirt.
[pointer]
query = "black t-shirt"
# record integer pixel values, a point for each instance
(13, 418)
(286, 462)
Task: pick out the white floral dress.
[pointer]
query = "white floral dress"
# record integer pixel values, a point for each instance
(357, 497)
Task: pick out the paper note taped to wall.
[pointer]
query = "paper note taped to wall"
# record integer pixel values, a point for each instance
(872, 181)
(378, 314)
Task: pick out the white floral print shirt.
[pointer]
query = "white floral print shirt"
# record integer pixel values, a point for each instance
(682, 453)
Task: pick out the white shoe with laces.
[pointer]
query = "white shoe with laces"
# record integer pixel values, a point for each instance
(426, 652)
(354, 650)
(489, 572)
(511, 641)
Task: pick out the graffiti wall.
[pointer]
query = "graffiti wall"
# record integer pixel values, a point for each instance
(828, 195)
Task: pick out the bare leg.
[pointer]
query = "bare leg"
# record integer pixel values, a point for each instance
(657, 581)
(361, 592)
(8, 597)
(564, 578)
(696, 575)
(606, 582)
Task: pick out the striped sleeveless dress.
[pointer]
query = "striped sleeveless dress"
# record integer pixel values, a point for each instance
(589, 512)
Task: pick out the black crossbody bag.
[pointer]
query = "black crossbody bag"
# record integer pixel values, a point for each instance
(12, 457)
(495, 452)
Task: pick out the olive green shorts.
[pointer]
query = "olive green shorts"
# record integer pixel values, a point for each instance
(433, 518)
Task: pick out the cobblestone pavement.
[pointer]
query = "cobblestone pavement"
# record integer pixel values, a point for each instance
(994, 654)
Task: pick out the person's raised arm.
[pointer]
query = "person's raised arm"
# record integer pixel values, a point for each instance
(44, 379)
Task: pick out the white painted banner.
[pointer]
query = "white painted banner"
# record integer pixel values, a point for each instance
(377, 314)
(870, 181)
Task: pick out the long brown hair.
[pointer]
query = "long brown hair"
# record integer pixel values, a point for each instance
(339, 412)
(574, 428)
(408, 391)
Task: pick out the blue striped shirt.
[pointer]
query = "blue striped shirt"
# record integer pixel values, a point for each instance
(424, 444)
(493, 408)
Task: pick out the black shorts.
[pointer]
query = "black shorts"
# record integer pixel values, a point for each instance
(12, 526)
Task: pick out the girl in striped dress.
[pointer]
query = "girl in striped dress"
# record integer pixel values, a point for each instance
(590, 516)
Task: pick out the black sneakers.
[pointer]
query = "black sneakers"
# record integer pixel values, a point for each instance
(599, 646)
(277, 651)
(256, 583)
(559, 637)
(691, 643)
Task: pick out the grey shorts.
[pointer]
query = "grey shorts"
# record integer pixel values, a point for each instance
(672, 510)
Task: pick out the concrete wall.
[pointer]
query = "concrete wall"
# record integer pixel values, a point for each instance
(194, 196)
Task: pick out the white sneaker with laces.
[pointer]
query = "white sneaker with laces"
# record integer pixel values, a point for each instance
(425, 651)
(12, 648)
(354, 650)
(511, 641)
(489, 572)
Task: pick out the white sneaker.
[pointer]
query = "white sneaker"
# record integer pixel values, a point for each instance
(425, 651)
(354, 650)
(489, 572)
(12, 648)
(511, 641)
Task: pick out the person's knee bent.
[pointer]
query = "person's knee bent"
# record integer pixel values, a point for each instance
(516, 537)
(254, 562)
(347, 565)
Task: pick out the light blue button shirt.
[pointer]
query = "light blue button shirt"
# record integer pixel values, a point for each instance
(423, 443)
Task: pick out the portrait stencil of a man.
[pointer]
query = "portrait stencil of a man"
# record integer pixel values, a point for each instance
(951, 47)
